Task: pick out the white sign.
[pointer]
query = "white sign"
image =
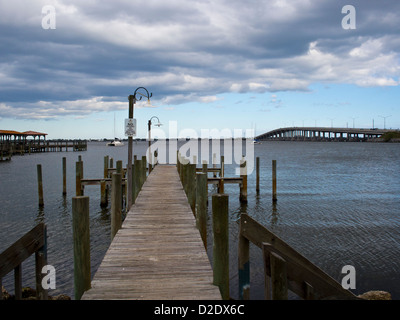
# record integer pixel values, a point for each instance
(130, 127)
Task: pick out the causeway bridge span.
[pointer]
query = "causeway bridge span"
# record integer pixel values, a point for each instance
(322, 134)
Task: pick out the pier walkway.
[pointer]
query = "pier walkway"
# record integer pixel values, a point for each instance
(158, 253)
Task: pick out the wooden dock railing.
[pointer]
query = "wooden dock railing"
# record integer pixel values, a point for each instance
(288, 269)
(33, 242)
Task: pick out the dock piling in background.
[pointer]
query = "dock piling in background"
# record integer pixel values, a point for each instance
(191, 182)
(220, 223)
(258, 174)
(81, 237)
(274, 197)
(40, 185)
(103, 194)
(201, 205)
(64, 170)
(243, 186)
(116, 203)
(78, 178)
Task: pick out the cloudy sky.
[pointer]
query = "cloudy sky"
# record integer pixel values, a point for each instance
(249, 64)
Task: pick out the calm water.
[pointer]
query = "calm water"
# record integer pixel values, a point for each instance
(338, 204)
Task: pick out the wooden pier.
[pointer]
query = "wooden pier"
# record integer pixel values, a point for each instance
(158, 253)
(14, 142)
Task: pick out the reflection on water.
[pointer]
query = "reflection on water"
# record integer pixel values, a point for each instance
(338, 204)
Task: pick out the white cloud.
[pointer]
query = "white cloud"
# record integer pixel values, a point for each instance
(184, 51)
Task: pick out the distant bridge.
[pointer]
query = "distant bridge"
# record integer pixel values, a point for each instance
(322, 134)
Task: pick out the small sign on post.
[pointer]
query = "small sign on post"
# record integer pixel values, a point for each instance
(130, 127)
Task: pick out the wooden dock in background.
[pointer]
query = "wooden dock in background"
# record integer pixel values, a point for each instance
(158, 253)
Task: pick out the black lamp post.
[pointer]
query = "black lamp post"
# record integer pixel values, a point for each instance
(149, 127)
(132, 100)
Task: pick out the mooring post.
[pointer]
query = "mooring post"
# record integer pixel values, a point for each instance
(192, 187)
(133, 184)
(279, 285)
(201, 205)
(119, 167)
(244, 263)
(103, 194)
(40, 185)
(177, 161)
(144, 169)
(40, 262)
(243, 185)
(181, 168)
(137, 176)
(78, 172)
(221, 175)
(120, 170)
(64, 169)
(258, 174)
(222, 172)
(81, 174)
(274, 197)
(116, 203)
(214, 162)
(205, 167)
(184, 177)
(221, 243)
(81, 237)
(105, 167)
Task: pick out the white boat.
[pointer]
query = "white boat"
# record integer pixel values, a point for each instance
(255, 142)
(115, 143)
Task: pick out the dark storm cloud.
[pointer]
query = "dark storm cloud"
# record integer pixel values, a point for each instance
(187, 51)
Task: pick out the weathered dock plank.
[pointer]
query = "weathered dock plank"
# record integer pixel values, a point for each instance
(158, 253)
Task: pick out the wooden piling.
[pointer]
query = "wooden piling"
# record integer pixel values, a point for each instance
(279, 283)
(64, 169)
(201, 205)
(40, 185)
(119, 166)
(105, 173)
(143, 170)
(185, 174)
(274, 197)
(105, 167)
(221, 175)
(137, 176)
(81, 238)
(222, 172)
(244, 266)
(103, 194)
(221, 243)
(214, 160)
(258, 174)
(78, 177)
(243, 185)
(40, 262)
(132, 173)
(116, 203)
(205, 167)
(192, 187)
